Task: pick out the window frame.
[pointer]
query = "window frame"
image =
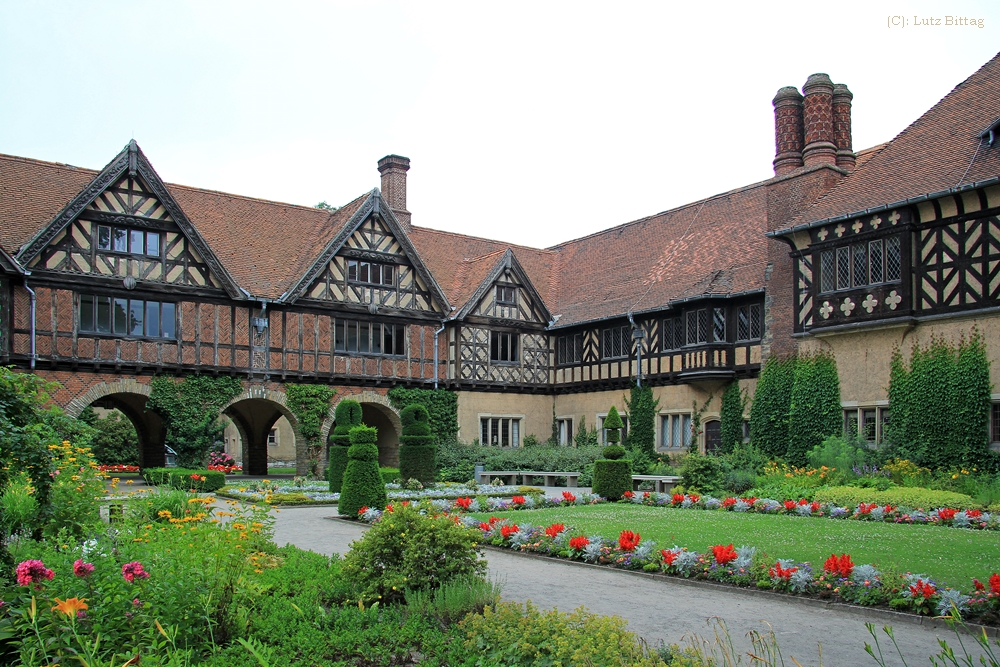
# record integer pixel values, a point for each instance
(501, 295)
(749, 310)
(509, 425)
(358, 267)
(120, 316)
(343, 328)
(564, 431)
(836, 276)
(504, 344)
(130, 234)
(569, 349)
(601, 416)
(672, 426)
(616, 336)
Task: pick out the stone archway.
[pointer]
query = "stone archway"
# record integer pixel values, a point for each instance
(376, 411)
(254, 413)
(129, 397)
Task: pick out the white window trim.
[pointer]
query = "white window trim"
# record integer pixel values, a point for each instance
(490, 415)
(572, 423)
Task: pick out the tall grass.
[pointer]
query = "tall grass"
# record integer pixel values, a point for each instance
(455, 599)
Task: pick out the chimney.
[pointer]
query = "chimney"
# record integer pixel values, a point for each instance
(393, 169)
(787, 130)
(818, 121)
(842, 126)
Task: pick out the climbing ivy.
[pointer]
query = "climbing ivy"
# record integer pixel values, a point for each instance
(940, 403)
(731, 417)
(815, 412)
(771, 404)
(441, 404)
(310, 403)
(642, 420)
(190, 409)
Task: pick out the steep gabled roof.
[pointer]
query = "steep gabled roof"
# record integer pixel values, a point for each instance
(715, 246)
(488, 270)
(942, 149)
(8, 264)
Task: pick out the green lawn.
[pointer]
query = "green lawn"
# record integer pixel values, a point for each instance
(948, 555)
(281, 471)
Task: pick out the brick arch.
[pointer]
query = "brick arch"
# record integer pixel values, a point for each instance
(259, 392)
(363, 397)
(253, 425)
(102, 389)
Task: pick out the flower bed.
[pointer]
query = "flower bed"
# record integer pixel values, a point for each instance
(839, 579)
(118, 469)
(301, 492)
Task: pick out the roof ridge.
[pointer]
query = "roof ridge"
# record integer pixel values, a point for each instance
(669, 211)
(21, 158)
(483, 238)
(477, 258)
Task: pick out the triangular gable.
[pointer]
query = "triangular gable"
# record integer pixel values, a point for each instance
(519, 300)
(127, 194)
(373, 234)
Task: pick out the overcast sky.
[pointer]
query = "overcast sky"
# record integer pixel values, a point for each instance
(530, 122)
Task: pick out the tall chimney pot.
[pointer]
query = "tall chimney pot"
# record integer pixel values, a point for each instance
(393, 169)
(818, 121)
(788, 139)
(842, 97)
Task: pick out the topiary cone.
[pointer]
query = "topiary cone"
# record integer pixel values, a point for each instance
(347, 415)
(363, 485)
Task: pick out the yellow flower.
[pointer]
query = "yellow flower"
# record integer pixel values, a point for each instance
(955, 476)
(70, 606)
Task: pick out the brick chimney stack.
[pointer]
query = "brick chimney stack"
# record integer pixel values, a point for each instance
(787, 130)
(393, 169)
(818, 121)
(842, 126)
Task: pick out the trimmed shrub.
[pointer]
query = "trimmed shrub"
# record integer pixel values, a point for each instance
(771, 403)
(363, 485)
(614, 452)
(701, 473)
(204, 481)
(815, 412)
(613, 424)
(347, 415)
(416, 445)
(642, 417)
(389, 475)
(612, 477)
(407, 551)
(850, 496)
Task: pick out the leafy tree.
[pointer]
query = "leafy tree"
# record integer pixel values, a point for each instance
(190, 410)
(326, 207)
(731, 417)
(115, 439)
(771, 404)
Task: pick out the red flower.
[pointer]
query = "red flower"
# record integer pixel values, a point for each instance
(464, 503)
(888, 508)
(645, 495)
(677, 499)
(974, 514)
(389, 508)
(82, 569)
(569, 497)
(995, 584)
(406, 503)
(803, 501)
(866, 508)
(628, 540)
(694, 497)
(728, 502)
(554, 530)
(779, 572)
(362, 510)
(750, 501)
(33, 572)
(790, 505)
(814, 506)
(132, 571)
(483, 526)
(946, 513)
(579, 543)
(842, 566)
(978, 585)
(924, 589)
(508, 530)
(723, 554)
(494, 519)
(518, 500)
(668, 556)
(628, 494)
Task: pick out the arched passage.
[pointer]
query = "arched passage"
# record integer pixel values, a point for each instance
(254, 413)
(376, 411)
(129, 397)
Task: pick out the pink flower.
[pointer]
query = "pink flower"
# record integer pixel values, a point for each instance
(132, 571)
(137, 602)
(82, 569)
(33, 572)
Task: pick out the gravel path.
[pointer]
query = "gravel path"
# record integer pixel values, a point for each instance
(659, 608)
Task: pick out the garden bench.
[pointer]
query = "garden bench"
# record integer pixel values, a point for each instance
(510, 476)
(661, 483)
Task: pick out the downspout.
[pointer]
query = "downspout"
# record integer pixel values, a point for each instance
(436, 334)
(33, 299)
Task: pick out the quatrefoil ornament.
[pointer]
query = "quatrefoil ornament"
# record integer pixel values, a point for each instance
(869, 303)
(847, 307)
(825, 310)
(893, 300)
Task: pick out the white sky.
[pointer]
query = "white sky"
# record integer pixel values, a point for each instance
(530, 122)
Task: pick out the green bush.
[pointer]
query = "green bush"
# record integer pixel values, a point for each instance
(642, 418)
(850, 496)
(441, 404)
(407, 551)
(363, 485)
(346, 416)
(770, 407)
(516, 636)
(613, 425)
(701, 473)
(815, 411)
(455, 599)
(740, 480)
(190, 410)
(731, 418)
(837, 454)
(456, 461)
(612, 478)
(185, 479)
(389, 475)
(115, 439)
(416, 445)
(614, 452)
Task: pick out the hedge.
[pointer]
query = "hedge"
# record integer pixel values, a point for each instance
(612, 478)
(417, 462)
(913, 497)
(180, 478)
(389, 475)
(336, 466)
(363, 485)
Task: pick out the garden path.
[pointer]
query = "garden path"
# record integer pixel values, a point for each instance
(657, 608)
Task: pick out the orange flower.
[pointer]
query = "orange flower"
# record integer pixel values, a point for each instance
(70, 606)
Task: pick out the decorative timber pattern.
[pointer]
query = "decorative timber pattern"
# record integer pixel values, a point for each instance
(532, 366)
(509, 301)
(804, 293)
(959, 265)
(372, 268)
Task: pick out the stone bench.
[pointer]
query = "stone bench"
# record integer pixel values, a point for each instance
(661, 483)
(510, 477)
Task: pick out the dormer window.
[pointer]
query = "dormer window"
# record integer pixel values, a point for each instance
(372, 273)
(507, 295)
(131, 241)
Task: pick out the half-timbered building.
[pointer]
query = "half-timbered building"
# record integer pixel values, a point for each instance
(109, 278)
